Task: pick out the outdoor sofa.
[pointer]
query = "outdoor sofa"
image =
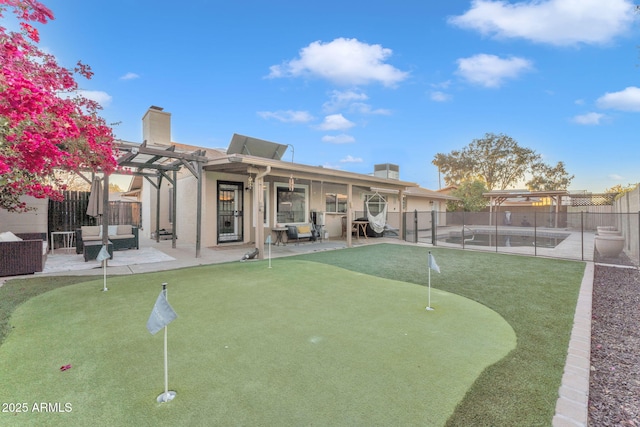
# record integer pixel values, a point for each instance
(302, 231)
(22, 253)
(122, 236)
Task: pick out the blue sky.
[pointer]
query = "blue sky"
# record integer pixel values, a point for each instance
(351, 84)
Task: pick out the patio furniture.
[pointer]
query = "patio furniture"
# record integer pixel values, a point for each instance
(122, 236)
(301, 231)
(364, 228)
(280, 233)
(354, 227)
(92, 248)
(24, 256)
(361, 226)
(67, 240)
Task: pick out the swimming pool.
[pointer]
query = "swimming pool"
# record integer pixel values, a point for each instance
(506, 238)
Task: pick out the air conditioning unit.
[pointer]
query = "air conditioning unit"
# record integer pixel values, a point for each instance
(387, 170)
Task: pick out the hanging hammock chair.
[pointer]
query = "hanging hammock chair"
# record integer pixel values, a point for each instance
(377, 222)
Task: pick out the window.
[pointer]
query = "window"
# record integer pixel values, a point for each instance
(291, 206)
(335, 202)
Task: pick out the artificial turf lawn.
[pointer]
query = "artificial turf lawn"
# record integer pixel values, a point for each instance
(536, 296)
(302, 343)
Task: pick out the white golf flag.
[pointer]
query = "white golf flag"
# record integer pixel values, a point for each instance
(161, 315)
(268, 241)
(103, 254)
(432, 263)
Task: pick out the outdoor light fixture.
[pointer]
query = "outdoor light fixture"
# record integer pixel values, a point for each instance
(291, 183)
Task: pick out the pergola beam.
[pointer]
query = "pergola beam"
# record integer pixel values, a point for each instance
(162, 161)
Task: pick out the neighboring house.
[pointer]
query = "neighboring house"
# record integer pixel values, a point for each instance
(422, 200)
(247, 190)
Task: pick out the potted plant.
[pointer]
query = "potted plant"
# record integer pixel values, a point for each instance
(609, 245)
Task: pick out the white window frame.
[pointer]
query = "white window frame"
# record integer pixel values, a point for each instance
(279, 185)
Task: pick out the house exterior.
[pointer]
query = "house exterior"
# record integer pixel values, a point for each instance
(247, 190)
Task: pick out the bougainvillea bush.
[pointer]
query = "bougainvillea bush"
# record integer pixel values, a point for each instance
(45, 125)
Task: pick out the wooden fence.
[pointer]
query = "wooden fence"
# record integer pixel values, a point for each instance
(71, 213)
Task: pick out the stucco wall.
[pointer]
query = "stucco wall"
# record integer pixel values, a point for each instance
(35, 221)
(628, 207)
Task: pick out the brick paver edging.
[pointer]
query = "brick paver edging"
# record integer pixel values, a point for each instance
(572, 406)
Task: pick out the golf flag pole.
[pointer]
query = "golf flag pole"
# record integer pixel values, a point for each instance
(161, 315)
(429, 308)
(166, 396)
(434, 266)
(102, 257)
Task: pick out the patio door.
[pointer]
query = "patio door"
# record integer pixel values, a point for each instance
(230, 206)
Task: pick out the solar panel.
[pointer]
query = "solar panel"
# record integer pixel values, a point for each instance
(241, 144)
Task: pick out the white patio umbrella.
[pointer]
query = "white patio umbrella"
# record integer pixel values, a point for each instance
(96, 204)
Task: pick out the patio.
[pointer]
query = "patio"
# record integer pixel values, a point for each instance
(156, 256)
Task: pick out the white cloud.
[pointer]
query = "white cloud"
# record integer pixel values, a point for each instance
(102, 98)
(442, 85)
(335, 122)
(556, 22)
(343, 99)
(351, 159)
(491, 70)
(130, 76)
(625, 100)
(342, 61)
(350, 100)
(588, 119)
(339, 139)
(361, 108)
(288, 116)
(439, 96)
(616, 177)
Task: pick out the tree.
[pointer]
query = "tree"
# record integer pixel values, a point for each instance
(71, 181)
(44, 124)
(620, 190)
(470, 195)
(497, 160)
(547, 178)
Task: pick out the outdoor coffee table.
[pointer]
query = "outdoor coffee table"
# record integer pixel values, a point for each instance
(92, 249)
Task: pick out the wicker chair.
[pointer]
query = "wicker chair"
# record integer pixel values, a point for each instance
(24, 257)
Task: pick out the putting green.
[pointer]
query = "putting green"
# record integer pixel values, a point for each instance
(301, 343)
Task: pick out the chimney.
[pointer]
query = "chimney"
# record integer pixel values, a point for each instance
(156, 127)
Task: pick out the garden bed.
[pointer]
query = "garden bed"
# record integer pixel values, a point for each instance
(614, 390)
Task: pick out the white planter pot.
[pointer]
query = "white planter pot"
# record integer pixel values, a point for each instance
(609, 246)
(609, 233)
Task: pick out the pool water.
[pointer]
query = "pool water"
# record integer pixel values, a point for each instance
(487, 239)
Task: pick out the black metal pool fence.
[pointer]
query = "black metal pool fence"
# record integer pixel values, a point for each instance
(565, 235)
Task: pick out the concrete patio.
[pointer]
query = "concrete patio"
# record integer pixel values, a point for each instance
(157, 256)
